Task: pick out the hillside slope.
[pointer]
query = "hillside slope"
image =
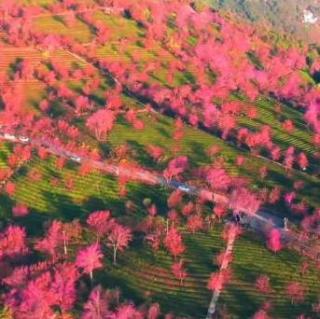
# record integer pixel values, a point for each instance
(186, 93)
(296, 17)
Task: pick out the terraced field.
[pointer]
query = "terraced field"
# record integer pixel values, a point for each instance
(128, 30)
(144, 275)
(147, 275)
(301, 137)
(56, 26)
(141, 274)
(251, 260)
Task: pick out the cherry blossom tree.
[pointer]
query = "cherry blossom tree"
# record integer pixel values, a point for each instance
(289, 157)
(51, 243)
(154, 311)
(101, 122)
(10, 188)
(174, 199)
(173, 242)
(176, 167)
(274, 240)
(195, 223)
(312, 114)
(156, 152)
(274, 195)
(179, 271)
(89, 259)
(36, 300)
(101, 222)
(263, 284)
(64, 285)
(288, 126)
(218, 179)
(242, 200)
(261, 314)
(296, 292)
(152, 210)
(20, 210)
(218, 280)
(13, 242)
(220, 210)
(303, 161)
(119, 238)
(128, 311)
(97, 306)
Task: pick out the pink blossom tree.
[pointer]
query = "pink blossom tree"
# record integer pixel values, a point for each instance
(97, 306)
(219, 279)
(218, 179)
(36, 300)
(303, 161)
(64, 285)
(119, 238)
(296, 292)
(89, 259)
(173, 242)
(101, 222)
(176, 167)
(261, 314)
(263, 284)
(51, 243)
(153, 311)
(13, 242)
(101, 122)
(242, 200)
(179, 271)
(20, 210)
(195, 223)
(274, 240)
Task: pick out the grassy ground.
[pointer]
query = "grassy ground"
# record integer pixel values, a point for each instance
(50, 198)
(300, 138)
(251, 260)
(145, 276)
(57, 26)
(195, 143)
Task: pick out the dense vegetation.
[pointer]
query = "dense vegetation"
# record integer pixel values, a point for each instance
(181, 93)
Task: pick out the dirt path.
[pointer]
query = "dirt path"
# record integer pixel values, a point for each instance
(224, 265)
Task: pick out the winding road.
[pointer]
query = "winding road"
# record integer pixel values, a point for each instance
(260, 222)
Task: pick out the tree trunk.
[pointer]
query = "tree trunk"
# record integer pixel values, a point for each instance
(65, 249)
(114, 255)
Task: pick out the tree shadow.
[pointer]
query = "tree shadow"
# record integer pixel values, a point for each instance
(158, 195)
(242, 304)
(164, 132)
(14, 67)
(141, 155)
(6, 207)
(199, 155)
(33, 222)
(63, 207)
(59, 19)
